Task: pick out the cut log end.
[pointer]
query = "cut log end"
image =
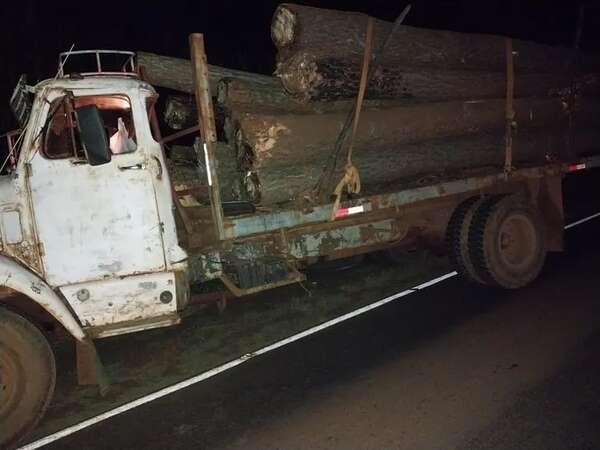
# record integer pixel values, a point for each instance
(222, 91)
(180, 112)
(283, 26)
(299, 75)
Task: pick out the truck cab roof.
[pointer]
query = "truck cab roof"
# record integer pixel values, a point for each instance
(96, 69)
(112, 82)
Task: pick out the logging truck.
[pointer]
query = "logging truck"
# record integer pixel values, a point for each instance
(96, 239)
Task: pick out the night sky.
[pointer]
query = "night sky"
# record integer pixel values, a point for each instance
(237, 32)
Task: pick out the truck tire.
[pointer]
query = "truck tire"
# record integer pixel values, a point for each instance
(457, 240)
(27, 377)
(506, 242)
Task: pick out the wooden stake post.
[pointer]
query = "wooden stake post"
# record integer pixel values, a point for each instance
(206, 122)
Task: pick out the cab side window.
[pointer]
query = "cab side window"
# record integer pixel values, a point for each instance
(62, 140)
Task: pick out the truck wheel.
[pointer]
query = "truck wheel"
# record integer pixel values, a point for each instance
(27, 377)
(457, 240)
(506, 242)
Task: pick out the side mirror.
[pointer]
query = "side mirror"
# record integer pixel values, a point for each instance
(93, 137)
(21, 101)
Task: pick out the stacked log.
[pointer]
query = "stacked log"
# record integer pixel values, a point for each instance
(435, 105)
(417, 163)
(326, 32)
(296, 138)
(288, 152)
(236, 95)
(187, 171)
(416, 63)
(176, 73)
(307, 78)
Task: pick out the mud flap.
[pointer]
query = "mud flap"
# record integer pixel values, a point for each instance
(90, 370)
(550, 203)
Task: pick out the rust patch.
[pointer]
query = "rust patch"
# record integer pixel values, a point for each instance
(368, 233)
(25, 253)
(330, 243)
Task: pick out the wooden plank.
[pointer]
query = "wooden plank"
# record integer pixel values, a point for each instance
(206, 120)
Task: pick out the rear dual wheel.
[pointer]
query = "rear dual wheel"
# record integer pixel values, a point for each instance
(457, 240)
(497, 241)
(27, 377)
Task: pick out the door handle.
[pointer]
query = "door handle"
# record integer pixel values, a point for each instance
(138, 166)
(159, 169)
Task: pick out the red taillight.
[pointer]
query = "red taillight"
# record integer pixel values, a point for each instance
(576, 167)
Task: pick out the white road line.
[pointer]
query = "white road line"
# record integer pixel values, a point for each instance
(579, 222)
(244, 358)
(229, 365)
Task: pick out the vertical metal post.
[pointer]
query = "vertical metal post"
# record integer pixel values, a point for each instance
(98, 62)
(510, 113)
(208, 132)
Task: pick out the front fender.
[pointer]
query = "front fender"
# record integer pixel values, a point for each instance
(18, 278)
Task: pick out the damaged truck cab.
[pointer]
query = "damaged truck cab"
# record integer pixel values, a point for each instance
(87, 231)
(94, 222)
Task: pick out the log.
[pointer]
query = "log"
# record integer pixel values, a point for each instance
(234, 95)
(329, 33)
(176, 73)
(183, 169)
(264, 139)
(306, 77)
(397, 168)
(180, 112)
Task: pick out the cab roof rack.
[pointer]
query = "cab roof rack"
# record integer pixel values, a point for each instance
(97, 62)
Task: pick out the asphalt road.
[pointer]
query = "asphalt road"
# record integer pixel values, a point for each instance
(451, 367)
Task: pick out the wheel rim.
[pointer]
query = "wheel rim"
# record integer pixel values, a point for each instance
(517, 242)
(11, 381)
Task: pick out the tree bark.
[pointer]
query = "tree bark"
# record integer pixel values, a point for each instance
(183, 169)
(176, 73)
(411, 164)
(329, 33)
(306, 77)
(265, 139)
(236, 95)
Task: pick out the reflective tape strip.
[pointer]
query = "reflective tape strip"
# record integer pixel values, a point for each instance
(207, 165)
(576, 167)
(343, 212)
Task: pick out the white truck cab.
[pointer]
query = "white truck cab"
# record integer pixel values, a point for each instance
(88, 208)
(87, 228)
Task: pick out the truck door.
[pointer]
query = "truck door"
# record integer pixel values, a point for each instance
(95, 221)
